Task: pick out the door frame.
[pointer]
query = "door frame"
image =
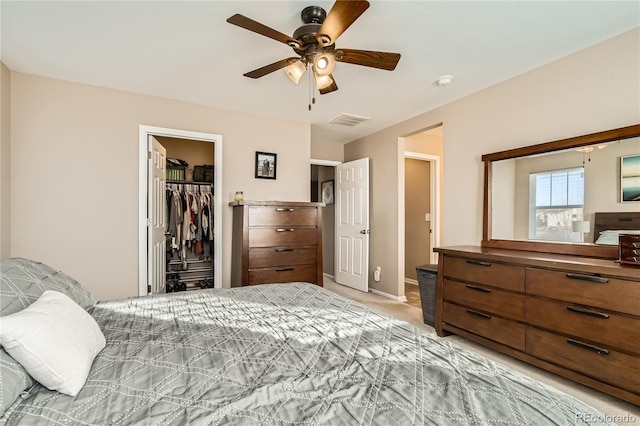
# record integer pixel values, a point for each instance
(143, 186)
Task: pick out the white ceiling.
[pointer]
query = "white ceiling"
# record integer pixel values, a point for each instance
(187, 51)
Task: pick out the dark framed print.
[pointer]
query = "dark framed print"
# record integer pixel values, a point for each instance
(326, 189)
(266, 165)
(630, 178)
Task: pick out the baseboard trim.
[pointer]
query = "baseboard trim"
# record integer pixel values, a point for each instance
(411, 281)
(331, 277)
(390, 296)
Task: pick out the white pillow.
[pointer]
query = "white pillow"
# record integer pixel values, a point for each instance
(55, 340)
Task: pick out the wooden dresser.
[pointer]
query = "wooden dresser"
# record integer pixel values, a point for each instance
(276, 242)
(574, 316)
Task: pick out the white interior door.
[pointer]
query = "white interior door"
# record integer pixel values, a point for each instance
(156, 217)
(352, 224)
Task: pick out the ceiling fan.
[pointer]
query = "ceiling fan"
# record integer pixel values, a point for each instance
(314, 42)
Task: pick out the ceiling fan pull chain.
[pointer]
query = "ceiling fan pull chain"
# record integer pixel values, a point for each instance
(309, 91)
(312, 97)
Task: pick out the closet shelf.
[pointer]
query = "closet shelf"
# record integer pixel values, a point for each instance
(191, 270)
(189, 261)
(194, 279)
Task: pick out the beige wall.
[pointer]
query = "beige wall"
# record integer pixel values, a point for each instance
(417, 202)
(5, 161)
(74, 158)
(327, 151)
(592, 90)
(194, 152)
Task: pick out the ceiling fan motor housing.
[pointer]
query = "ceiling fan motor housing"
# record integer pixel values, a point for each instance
(313, 15)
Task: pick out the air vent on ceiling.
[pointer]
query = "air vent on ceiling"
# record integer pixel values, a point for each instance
(348, 119)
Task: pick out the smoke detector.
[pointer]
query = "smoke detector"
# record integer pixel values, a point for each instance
(444, 80)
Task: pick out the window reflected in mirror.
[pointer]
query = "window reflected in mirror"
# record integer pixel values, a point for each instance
(554, 196)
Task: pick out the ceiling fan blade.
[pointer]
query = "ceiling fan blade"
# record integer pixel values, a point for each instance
(268, 69)
(368, 58)
(251, 25)
(331, 88)
(340, 17)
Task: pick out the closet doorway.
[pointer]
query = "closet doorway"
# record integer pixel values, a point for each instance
(153, 266)
(324, 171)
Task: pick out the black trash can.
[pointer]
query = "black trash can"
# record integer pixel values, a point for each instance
(427, 277)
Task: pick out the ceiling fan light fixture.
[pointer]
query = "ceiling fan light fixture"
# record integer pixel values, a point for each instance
(295, 71)
(323, 81)
(324, 63)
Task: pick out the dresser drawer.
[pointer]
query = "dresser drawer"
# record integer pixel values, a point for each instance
(485, 298)
(586, 323)
(285, 236)
(629, 255)
(285, 216)
(284, 274)
(594, 360)
(265, 257)
(479, 271)
(608, 293)
(503, 331)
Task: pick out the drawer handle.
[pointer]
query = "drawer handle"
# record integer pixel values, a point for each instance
(284, 269)
(479, 314)
(285, 230)
(279, 250)
(476, 288)
(589, 278)
(587, 312)
(282, 209)
(588, 346)
(479, 263)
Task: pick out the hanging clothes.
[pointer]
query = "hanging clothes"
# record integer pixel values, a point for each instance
(189, 218)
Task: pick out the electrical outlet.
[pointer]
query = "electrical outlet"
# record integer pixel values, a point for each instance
(377, 273)
(427, 217)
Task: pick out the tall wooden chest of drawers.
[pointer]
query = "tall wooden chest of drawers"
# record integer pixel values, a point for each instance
(276, 242)
(574, 316)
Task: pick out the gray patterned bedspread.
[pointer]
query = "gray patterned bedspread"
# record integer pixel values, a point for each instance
(286, 354)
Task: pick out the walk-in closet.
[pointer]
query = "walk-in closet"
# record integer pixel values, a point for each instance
(190, 230)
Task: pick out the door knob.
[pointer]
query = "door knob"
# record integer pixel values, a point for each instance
(365, 231)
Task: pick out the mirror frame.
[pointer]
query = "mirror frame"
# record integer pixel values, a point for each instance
(576, 249)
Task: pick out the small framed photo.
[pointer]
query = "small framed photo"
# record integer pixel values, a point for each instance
(630, 178)
(266, 165)
(326, 189)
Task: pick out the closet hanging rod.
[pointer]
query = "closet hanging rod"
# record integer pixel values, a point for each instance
(184, 182)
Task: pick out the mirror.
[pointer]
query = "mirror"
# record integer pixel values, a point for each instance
(544, 197)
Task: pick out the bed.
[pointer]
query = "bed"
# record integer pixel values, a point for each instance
(609, 225)
(284, 354)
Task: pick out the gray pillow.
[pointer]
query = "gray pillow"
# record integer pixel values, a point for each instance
(22, 282)
(13, 380)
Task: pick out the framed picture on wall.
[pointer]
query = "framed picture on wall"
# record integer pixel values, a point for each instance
(630, 178)
(266, 165)
(326, 189)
